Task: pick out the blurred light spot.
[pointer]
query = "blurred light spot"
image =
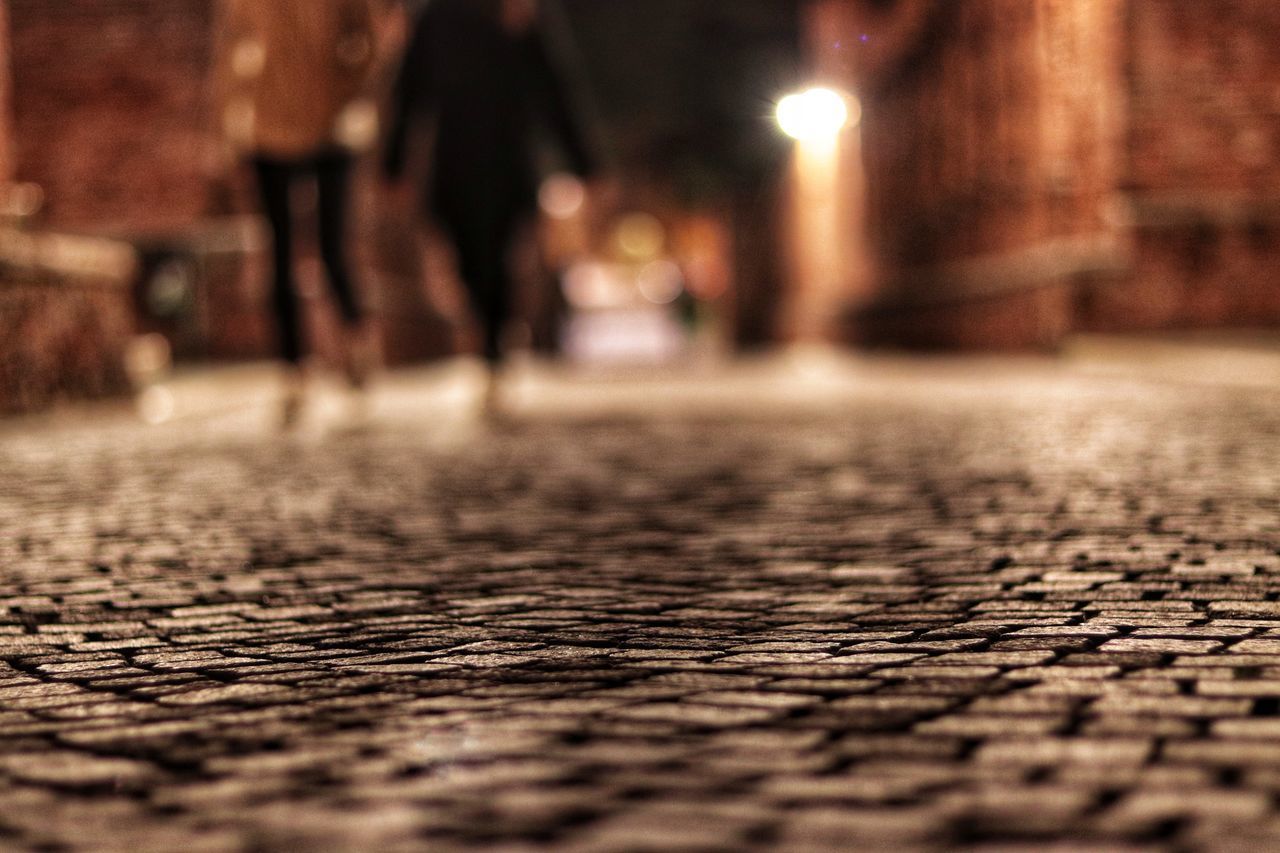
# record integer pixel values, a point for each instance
(817, 114)
(640, 236)
(624, 336)
(147, 358)
(814, 363)
(708, 279)
(248, 58)
(23, 201)
(561, 196)
(660, 282)
(171, 288)
(357, 126)
(594, 285)
(156, 405)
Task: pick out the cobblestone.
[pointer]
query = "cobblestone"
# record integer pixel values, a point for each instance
(912, 609)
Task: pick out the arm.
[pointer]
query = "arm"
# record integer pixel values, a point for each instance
(409, 97)
(556, 96)
(357, 45)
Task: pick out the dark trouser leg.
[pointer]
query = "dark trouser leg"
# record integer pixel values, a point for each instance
(483, 257)
(333, 181)
(274, 180)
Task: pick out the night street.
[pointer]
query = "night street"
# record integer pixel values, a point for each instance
(818, 604)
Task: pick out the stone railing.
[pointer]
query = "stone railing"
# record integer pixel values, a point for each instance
(66, 317)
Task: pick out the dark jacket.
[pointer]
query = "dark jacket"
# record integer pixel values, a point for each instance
(488, 91)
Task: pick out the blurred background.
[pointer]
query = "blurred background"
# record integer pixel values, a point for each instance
(926, 174)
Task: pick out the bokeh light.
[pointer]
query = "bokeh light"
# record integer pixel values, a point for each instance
(660, 282)
(156, 405)
(562, 196)
(640, 236)
(816, 114)
(147, 359)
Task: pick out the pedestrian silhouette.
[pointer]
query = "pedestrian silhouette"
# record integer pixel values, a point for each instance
(295, 73)
(483, 75)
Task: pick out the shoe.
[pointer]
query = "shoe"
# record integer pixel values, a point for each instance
(294, 399)
(491, 407)
(361, 356)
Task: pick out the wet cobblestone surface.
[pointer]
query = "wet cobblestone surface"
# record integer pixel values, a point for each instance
(919, 611)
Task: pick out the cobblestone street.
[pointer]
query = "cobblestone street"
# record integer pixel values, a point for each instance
(882, 605)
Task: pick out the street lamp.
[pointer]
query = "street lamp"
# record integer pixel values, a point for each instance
(816, 114)
(822, 165)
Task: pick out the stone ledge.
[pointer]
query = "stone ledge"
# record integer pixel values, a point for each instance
(996, 275)
(1164, 210)
(1034, 318)
(65, 258)
(66, 317)
(1013, 300)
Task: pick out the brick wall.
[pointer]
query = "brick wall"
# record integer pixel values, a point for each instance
(990, 138)
(1125, 153)
(951, 144)
(112, 116)
(109, 109)
(6, 131)
(70, 343)
(1201, 165)
(1204, 85)
(66, 318)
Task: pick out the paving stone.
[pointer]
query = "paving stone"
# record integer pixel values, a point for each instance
(73, 769)
(1096, 752)
(1236, 752)
(985, 725)
(1237, 688)
(1164, 646)
(917, 612)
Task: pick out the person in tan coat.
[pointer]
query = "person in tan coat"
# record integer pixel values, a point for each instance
(293, 74)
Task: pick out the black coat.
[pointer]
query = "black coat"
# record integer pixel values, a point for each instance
(488, 92)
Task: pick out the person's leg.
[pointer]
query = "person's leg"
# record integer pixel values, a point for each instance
(274, 180)
(483, 250)
(333, 182)
(497, 314)
(480, 265)
(333, 185)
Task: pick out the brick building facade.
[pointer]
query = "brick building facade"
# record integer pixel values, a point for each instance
(65, 309)
(110, 113)
(1201, 167)
(1039, 166)
(1033, 167)
(113, 116)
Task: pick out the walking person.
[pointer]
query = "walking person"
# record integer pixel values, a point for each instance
(294, 74)
(480, 79)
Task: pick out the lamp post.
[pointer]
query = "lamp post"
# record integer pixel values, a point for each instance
(815, 116)
(817, 119)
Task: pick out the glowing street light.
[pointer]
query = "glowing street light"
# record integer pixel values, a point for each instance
(815, 115)
(824, 165)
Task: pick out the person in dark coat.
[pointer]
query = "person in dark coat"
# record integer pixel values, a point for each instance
(482, 74)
